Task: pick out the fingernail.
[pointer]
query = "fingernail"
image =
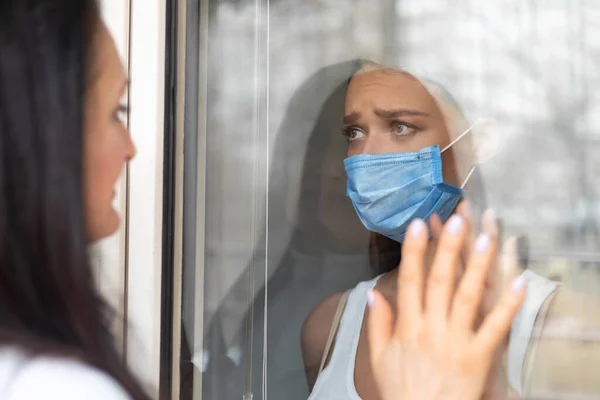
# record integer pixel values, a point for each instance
(482, 243)
(370, 298)
(490, 215)
(490, 222)
(467, 205)
(519, 284)
(416, 227)
(454, 224)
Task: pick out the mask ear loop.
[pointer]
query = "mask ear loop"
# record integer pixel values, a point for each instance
(468, 176)
(462, 135)
(452, 143)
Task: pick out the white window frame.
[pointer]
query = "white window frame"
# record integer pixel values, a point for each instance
(200, 115)
(179, 182)
(130, 263)
(145, 191)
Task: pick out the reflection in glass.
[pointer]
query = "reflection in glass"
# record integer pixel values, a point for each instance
(280, 236)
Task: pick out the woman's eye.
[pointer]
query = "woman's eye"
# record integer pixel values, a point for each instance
(401, 129)
(354, 134)
(121, 113)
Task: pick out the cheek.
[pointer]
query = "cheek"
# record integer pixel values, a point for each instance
(351, 151)
(106, 155)
(111, 159)
(355, 148)
(449, 168)
(441, 139)
(431, 137)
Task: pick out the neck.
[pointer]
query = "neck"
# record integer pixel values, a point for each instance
(326, 242)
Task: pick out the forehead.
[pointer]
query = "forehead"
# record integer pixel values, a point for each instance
(107, 63)
(388, 89)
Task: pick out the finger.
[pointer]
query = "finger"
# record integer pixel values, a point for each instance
(468, 296)
(380, 323)
(493, 283)
(464, 210)
(490, 223)
(490, 226)
(496, 325)
(437, 226)
(509, 268)
(441, 281)
(410, 277)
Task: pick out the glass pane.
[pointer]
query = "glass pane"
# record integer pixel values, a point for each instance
(270, 238)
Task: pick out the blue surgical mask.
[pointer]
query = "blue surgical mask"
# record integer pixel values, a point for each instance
(390, 190)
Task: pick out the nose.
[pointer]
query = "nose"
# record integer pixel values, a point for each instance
(130, 151)
(376, 144)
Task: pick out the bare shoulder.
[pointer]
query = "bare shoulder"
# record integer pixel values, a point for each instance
(315, 332)
(565, 357)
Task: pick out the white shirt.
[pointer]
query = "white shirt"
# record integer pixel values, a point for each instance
(52, 378)
(336, 381)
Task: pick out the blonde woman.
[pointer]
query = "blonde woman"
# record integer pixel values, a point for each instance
(410, 154)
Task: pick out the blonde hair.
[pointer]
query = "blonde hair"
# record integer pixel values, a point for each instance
(449, 106)
(385, 253)
(454, 117)
(365, 66)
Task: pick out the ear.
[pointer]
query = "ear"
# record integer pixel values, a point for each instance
(486, 140)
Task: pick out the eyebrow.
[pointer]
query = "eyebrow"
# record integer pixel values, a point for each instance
(351, 118)
(391, 114)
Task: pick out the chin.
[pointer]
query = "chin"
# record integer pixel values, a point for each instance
(113, 222)
(105, 227)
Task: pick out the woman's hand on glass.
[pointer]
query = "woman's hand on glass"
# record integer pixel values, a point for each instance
(503, 270)
(432, 350)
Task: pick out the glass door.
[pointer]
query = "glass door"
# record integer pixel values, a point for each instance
(269, 237)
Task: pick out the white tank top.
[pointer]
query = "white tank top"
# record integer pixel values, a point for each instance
(336, 382)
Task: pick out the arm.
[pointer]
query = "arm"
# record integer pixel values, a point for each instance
(315, 331)
(564, 354)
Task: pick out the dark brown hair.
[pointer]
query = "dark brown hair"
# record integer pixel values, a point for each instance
(49, 303)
